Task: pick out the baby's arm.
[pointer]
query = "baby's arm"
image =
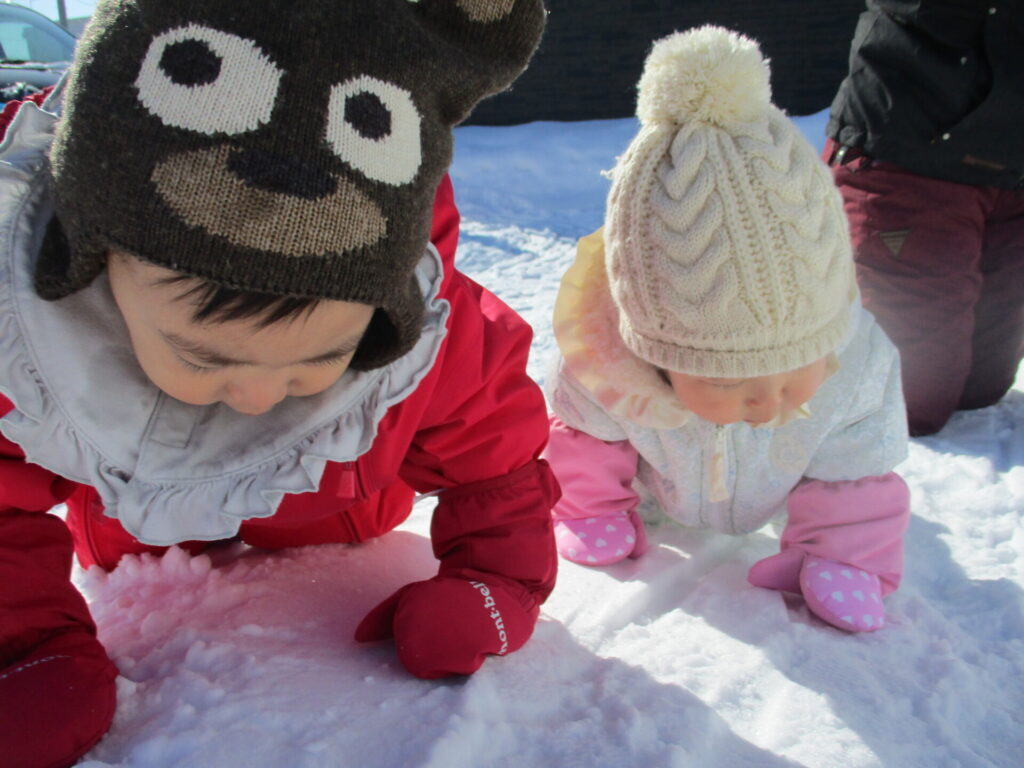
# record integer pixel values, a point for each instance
(853, 522)
(851, 510)
(596, 476)
(26, 487)
(842, 549)
(478, 446)
(35, 552)
(596, 522)
(55, 677)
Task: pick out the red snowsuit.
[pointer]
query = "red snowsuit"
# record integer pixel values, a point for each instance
(473, 430)
(476, 417)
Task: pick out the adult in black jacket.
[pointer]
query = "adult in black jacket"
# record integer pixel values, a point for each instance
(926, 145)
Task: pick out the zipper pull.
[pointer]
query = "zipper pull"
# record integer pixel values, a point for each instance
(719, 466)
(347, 480)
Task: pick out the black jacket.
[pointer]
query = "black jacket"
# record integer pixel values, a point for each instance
(937, 87)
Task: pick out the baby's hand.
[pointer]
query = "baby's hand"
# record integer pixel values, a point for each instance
(448, 626)
(781, 571)
(842, 595)
(601, 540)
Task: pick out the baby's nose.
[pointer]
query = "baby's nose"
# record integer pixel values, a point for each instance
(765, 405)
(255, 396)
(767, 399)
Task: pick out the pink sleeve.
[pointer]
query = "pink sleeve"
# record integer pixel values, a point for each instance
(596, 476)
(857, 522)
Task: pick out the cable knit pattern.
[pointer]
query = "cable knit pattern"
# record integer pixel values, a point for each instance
(727, 249)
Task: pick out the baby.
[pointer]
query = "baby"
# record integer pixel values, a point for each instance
(714, 351)
(230, 311)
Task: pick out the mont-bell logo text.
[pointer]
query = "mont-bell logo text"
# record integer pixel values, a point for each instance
(495, 614)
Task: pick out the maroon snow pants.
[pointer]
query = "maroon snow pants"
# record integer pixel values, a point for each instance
(941, 267)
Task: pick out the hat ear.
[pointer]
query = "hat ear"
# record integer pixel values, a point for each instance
(486, 10)
(489, 44)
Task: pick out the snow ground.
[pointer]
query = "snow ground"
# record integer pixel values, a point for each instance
(246, 658)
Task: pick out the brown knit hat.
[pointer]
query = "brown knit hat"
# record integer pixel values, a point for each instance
(281, 147)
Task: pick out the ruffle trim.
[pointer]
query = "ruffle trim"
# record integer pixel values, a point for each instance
(165, 513)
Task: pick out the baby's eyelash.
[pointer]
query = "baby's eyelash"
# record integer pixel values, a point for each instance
(325, 362)
(197, 368)
(328, 361)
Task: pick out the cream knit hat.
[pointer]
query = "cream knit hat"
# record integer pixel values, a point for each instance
(727, 248)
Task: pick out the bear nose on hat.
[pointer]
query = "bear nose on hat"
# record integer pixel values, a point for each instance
(278, 173)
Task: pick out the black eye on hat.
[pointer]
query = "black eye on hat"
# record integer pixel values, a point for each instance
(366, 113)
(191, 63)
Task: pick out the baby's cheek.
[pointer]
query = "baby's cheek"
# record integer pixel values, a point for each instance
(802, 394)
(194, 389)
(728, 413)
(190, 391)
(315, 382)
(718, 409)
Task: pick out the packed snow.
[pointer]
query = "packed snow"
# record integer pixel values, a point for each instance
(246, 658)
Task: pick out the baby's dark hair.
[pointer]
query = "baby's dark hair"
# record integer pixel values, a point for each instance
(217, 304)
(213, 303)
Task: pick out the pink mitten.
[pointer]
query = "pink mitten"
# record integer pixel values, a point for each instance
(844, 596)
(780, 572)
(601, 540)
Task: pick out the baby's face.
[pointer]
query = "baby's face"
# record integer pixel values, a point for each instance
(235, 362)
(755, 400)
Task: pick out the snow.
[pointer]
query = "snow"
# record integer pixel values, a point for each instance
(244, 657)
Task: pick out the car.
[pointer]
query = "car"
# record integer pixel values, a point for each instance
(34, 51)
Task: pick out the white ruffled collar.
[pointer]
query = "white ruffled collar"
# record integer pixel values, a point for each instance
(168, 471)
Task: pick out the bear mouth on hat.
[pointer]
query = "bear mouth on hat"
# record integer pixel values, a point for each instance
(250, 202)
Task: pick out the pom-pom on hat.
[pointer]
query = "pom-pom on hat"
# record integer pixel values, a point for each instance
(727, 248)
(708, 75)
(285, 148)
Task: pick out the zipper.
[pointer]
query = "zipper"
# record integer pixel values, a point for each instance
(88, 498)
(719, 467)
(350, 483)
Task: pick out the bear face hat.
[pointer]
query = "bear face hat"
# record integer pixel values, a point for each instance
(281, 147)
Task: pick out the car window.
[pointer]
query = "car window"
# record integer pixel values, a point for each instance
(24, 41)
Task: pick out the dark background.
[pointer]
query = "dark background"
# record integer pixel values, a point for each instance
(593, 52)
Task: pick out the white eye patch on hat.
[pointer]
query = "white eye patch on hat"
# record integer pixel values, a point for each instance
(207, 81)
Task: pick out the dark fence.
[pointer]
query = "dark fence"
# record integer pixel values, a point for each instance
(593, 51)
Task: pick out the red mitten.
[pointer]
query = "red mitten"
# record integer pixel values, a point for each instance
(57, 685)
(447, 626)
(57, 702)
